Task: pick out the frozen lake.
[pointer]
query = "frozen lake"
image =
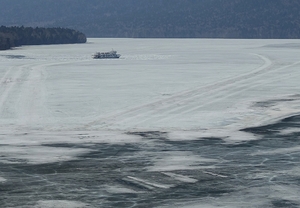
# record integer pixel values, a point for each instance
(172, 123)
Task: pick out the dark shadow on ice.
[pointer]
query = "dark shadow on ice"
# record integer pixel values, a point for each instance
(14, 56)
(280, 203)
(124, 175)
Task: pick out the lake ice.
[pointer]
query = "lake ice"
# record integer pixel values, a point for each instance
(172, 123)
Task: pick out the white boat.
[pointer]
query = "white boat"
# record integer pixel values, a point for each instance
(106, 55)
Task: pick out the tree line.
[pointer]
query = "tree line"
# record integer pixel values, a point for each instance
(18, 36)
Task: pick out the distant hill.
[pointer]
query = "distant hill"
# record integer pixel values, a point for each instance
(160, 18)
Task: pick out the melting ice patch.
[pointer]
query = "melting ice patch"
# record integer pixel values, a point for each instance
(177, 160)
(278, 151)
(289, 131)
(60, 204)
(119, 190)
(181, 178)
(48, 147)
(227, 135)
(38, 154)
(149, 183)
(2, 180)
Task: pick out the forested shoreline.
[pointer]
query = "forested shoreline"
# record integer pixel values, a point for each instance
(18, 36)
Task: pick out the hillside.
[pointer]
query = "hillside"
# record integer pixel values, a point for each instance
(160, 18)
